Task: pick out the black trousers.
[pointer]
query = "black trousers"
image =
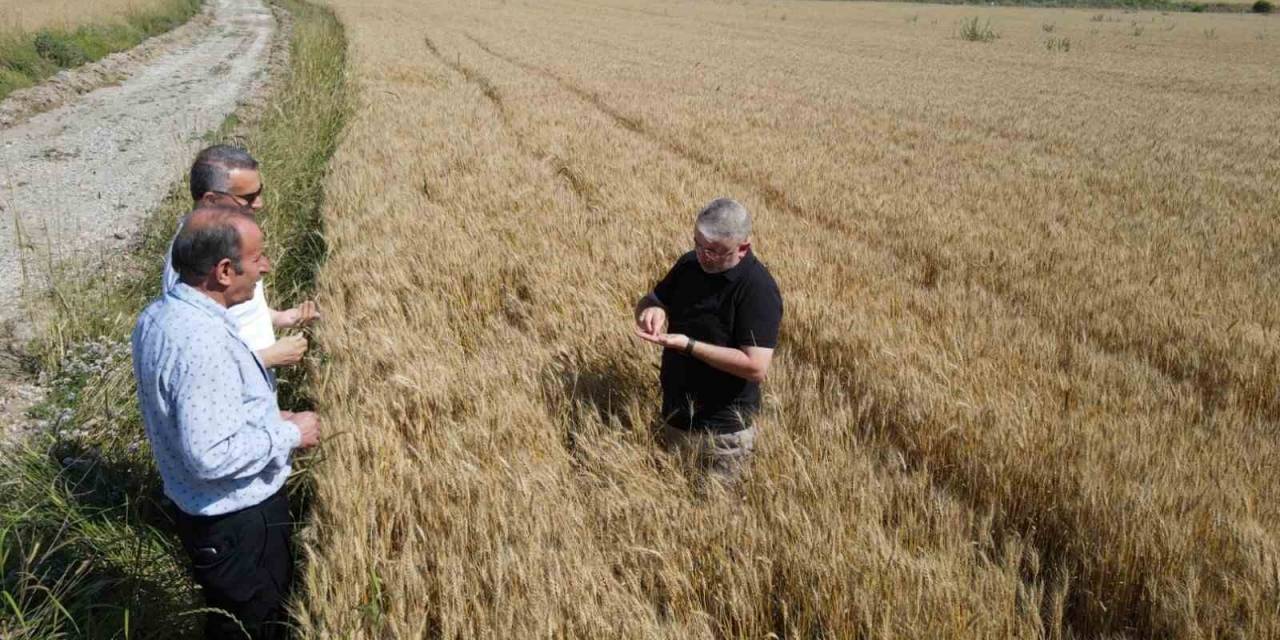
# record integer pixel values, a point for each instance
(244, 562)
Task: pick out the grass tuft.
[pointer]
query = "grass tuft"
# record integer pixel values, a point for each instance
(1062, 44)
(62, 52)
(975, 30)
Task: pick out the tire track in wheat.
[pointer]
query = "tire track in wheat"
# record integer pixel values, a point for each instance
(586, 192)
(774, 196)
(1185, 356)
(1203, 375)
(1128, 607)
(894, 424)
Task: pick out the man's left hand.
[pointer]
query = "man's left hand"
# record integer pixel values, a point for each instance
(300, 316)
(677, 341)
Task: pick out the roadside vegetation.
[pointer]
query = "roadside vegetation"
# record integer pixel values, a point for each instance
(39, 39)
(85, 541)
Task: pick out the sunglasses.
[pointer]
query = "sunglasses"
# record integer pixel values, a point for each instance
(243, 200)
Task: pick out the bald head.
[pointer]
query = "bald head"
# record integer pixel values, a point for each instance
(210, 234)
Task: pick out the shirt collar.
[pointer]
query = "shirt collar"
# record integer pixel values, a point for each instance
(735, 274)
(188, 294)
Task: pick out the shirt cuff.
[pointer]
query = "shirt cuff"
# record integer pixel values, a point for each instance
(285, 437)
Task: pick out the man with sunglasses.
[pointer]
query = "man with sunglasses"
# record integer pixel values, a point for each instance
(716, 314)
(227, 175)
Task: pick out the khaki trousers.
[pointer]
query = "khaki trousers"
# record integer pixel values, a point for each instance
(724, 456)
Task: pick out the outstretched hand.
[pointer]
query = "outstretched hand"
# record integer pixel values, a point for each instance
(676, 341)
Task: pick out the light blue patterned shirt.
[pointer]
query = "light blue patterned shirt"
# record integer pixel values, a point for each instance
(209, 406)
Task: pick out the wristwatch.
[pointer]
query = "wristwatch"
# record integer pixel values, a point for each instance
(688, 348)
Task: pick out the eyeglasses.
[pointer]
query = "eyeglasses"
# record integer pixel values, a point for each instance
(243, 200)
(712, 252)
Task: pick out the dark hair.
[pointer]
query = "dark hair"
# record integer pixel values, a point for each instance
(212, 168)
(208, 236)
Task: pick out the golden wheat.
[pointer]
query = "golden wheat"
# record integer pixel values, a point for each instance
(1028, 379)
(30, 15)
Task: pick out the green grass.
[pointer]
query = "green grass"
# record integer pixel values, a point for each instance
(85, 540)
(28, 58)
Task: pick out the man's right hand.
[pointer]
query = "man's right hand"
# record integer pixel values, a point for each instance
(308, 424)
(287, 351)
(652, 320)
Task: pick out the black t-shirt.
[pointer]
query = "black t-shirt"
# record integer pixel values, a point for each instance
(737, 308)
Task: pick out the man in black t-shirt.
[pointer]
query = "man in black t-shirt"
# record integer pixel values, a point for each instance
(716, 314)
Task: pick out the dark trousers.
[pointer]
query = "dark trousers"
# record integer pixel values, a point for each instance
(244, 562)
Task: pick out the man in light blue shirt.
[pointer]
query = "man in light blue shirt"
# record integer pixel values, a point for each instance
(220, 441)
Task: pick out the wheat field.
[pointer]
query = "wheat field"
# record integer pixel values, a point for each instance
(1027, 385)
(31, 15)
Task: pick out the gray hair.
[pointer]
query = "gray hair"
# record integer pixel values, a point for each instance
(208, 236)
(724, 219)
(211, 171)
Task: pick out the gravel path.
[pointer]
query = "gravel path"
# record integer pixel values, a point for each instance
(76, 182)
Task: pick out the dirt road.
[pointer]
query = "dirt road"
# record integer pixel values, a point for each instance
(76, 181)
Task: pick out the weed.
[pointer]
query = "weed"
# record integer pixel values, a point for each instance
(975, 30)
(1058, 44)
(34, 585)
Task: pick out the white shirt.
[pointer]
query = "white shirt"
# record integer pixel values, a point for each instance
(252, 318)
(209, 407)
